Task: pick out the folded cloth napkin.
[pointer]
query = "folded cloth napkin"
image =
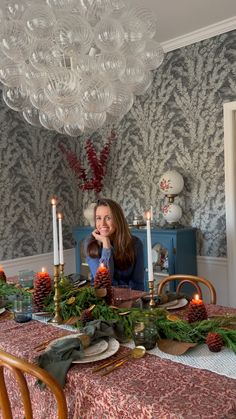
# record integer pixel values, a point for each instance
(164, 298)
(59, 357)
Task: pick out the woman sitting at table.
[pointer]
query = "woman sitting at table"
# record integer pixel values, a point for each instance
(111, 243)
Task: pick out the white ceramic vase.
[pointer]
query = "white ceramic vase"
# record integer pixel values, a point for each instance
(89, 214)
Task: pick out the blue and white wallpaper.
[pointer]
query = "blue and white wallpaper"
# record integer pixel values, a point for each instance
(178, 125)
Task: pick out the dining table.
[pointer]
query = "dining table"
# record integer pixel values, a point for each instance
(153, 387)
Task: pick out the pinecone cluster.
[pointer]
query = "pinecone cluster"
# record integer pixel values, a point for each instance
(42, 288)
(103, 280)
(214, 342)
(3, 276)
(86, 316)
(196, 312)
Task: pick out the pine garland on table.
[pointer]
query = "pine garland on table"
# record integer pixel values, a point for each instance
(73, 302)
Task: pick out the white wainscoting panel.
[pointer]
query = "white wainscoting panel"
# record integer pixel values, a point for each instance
(36, 262)
(216, 270)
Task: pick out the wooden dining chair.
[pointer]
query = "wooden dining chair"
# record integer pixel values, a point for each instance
(195, 281)
(18, 367)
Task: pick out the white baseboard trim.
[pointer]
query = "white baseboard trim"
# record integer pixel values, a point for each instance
(214, 269)
(13, 266)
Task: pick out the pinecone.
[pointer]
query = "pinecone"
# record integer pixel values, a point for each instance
(42, 288)
(86, 316)
(3, 276)
(103, 280)
(196, 312)
(214, 342)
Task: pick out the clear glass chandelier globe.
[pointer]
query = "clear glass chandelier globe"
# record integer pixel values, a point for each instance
(31, 115)
(75, 129)
(15, 98)
(15, 42)
(62, 87)
(14, 9)
(69, 114)
(39, 20)
(94, 121)
(93, 55)
(111, 65)
(46, 120)
(39, 99)
(97, 96)
(123, 100)
(11, 73)
(71, 32)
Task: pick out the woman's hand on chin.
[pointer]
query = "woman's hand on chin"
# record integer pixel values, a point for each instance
(101, 239)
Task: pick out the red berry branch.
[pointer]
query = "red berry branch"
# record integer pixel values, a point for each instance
(97, 164)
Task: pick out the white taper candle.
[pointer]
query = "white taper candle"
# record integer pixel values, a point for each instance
(61, 256)
(55, 235)
(149, 246)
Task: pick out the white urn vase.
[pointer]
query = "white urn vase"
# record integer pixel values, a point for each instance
(89, 214)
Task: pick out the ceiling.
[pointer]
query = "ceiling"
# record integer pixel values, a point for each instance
(176, 18)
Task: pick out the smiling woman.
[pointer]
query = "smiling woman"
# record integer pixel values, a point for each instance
(111, 243)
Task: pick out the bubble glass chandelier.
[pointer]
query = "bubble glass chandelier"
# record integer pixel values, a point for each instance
(73, 66)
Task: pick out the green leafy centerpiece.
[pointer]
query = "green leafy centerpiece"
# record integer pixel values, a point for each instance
(81, 305)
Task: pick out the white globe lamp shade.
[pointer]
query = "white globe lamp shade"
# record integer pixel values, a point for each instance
(172, 213)
(171, 183)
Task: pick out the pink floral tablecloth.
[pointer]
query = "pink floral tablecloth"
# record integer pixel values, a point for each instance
(149, 388)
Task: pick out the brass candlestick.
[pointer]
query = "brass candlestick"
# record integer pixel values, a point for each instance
(151, 289)
(61, 269)
(57, 297)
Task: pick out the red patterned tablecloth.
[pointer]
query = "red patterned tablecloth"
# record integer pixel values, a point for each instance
(149, 388)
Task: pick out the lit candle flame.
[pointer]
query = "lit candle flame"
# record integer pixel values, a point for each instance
(53, 201)
(147, 215)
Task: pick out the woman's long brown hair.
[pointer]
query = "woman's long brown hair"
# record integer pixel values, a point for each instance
(122, 240)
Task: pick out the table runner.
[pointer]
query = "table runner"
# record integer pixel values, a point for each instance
(222, 363)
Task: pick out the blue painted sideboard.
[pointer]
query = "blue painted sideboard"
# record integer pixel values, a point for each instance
(176, 250)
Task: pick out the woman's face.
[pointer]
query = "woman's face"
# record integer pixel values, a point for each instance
(104, 221)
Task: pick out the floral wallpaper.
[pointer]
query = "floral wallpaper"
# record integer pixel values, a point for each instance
(178, 125)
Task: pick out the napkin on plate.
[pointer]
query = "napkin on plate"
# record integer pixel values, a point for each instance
(58, 358)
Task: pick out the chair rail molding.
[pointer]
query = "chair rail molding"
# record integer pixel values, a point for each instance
(230, 195)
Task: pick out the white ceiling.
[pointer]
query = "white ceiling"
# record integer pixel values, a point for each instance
(176, 18)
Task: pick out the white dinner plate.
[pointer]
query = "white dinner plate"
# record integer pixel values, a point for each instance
(2, 310)
(113, 346)
(182, 302)
(92, 350)
(96, 349)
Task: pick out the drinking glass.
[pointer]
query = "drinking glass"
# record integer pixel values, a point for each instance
(145, 331)
(26, 278)
(22, 308)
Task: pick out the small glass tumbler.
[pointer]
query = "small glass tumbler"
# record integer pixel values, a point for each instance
(22, 308)
(145, 332)
(26, 278)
